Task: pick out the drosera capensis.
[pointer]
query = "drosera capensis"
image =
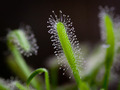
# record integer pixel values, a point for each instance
(39, 71)
(69, 57)
(105, 11)
(25, 35)
(107, 22)
(66, 45)
(21, 41)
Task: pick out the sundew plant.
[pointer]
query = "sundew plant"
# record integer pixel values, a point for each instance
(65, 44)
(89, 71)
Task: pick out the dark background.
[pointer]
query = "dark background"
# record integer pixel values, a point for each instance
(84, 14)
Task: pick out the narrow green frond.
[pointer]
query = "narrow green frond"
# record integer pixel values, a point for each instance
(66, 45)
(39, 71)
(107, 22)
(19, 42)
(110, 40)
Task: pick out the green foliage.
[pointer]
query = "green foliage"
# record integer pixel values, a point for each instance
(110, 40)
(19, 36)
(67, 49)
(67, 46)
(40, 70)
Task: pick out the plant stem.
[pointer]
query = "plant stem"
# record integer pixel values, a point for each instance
(54, 76)
(19, 59)
(22, 64)
(110, 50)
(40, 70)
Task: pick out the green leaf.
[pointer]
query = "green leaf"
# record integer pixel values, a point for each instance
(65, 43)
(40, 70)
(110, 40)
(18, 37)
